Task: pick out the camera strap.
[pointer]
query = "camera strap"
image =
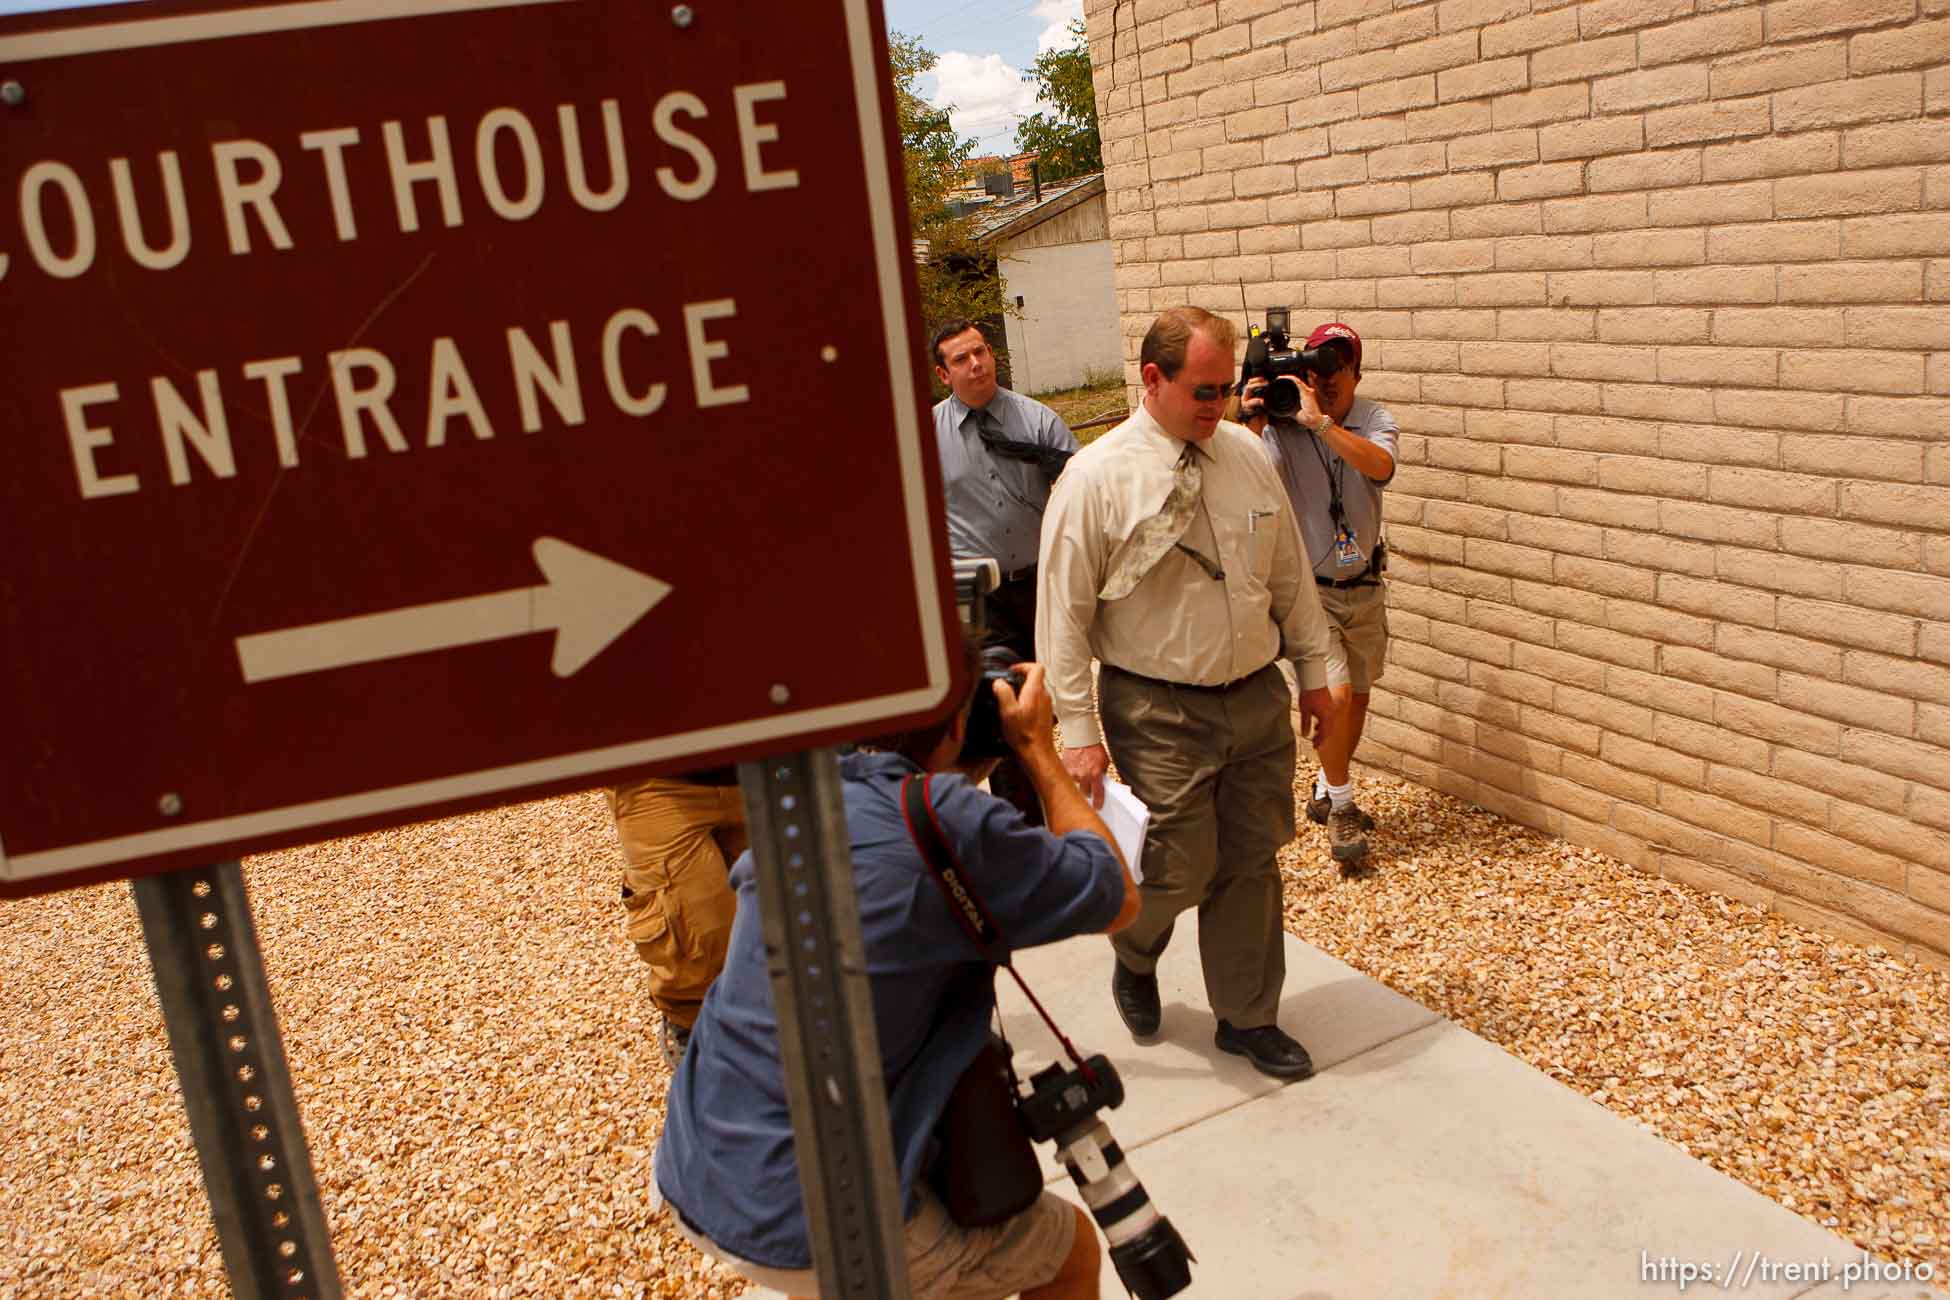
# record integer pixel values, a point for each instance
(917, 810)
(1335, 473)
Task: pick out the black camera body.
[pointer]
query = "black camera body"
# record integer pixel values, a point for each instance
(984, 739)
(1058, 1100)
(1062, 1106)
(1270, 355)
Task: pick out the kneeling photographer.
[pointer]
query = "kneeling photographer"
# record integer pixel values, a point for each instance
(1334, 453)
(726, 1162)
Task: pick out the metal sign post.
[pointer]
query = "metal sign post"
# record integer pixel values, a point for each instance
(817, 958)
(229, 1056)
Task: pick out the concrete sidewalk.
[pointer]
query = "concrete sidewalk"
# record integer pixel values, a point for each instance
(1420, 1161)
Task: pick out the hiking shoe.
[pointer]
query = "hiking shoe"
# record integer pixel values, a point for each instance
(673, 1038)
(1271, 1049)
(1345, 838)
(1137, 1001)
(1318, 806)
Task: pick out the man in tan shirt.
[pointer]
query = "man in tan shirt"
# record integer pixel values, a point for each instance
(1170, 553)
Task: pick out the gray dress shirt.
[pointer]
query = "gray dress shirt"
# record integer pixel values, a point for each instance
(995, 504)
(1305, 461)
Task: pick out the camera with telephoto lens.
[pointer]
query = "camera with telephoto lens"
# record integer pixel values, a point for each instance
(1061, 1106)
(1270, 355)
(984, 738)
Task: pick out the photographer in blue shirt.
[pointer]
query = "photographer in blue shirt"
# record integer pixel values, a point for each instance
(727, 1164)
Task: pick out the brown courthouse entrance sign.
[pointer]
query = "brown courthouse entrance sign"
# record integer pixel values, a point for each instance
(409, 404)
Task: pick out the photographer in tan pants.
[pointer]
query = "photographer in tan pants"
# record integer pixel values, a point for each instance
(680, 836)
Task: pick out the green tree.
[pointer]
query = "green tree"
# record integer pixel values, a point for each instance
(958, 278)
(1065, 139)
(932, 154)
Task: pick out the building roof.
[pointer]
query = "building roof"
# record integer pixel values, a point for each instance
(1007, 218)
(999, 219)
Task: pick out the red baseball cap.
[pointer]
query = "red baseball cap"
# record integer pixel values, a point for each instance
(1336, 330)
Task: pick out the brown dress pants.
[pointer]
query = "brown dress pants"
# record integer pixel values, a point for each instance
(1215, 767)
(679, 840)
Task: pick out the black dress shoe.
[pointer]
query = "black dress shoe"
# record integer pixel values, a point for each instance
(1137, 1000)
(1271, 1050)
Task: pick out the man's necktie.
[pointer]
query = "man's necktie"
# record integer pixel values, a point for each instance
(1150, 540)
(1050, 460)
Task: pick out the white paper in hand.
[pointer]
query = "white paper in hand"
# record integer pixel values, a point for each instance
(1127, 820)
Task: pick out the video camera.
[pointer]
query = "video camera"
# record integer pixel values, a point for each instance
(1061, 1106)
(1270, 355)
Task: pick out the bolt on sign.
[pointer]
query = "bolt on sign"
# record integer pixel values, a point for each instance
(416, 404)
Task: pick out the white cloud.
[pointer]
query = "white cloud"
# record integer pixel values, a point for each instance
(986, 95)
(1056, 17)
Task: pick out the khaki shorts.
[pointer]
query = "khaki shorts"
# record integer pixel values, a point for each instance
(1357, 620)
(946, 1261)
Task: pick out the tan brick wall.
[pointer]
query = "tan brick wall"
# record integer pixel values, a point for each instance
(1659, 291)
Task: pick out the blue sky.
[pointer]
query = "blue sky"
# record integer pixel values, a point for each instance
(984, 47)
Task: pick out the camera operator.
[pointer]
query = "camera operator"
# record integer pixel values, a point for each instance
(1000, 452)
(726, 1161)
(1334, 455)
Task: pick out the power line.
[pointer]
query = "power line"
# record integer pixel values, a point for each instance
(983, 18)
(954, 6)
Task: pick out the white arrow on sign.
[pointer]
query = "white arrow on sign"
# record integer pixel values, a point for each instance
(588, 602)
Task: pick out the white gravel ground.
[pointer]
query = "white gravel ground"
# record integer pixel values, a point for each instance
(475, 1058)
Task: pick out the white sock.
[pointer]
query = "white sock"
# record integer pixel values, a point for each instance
(1320, 785)
(1341, 795)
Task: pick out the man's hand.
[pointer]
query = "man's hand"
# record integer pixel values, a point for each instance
(1087, 767)
(1316, 712)
(1252, 402)
(1029, 718)
(1310, 416)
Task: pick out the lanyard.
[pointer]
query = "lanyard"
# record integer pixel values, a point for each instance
(1334, 474)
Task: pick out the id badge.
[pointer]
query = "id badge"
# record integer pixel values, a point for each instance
(1347, 555)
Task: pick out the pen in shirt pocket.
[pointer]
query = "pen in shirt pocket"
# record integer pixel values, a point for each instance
(1254, 516)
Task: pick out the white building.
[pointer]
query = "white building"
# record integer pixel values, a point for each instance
(1053, 251)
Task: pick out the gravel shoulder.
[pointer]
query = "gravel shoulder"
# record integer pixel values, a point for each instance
(1815, 1070)
(474, 1054)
